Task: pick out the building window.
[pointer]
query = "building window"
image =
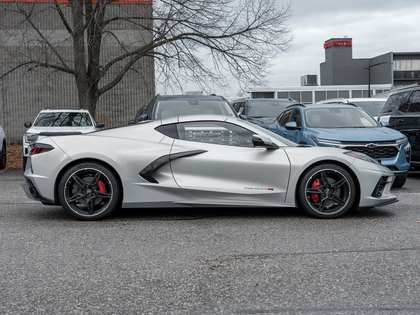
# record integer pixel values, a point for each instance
(357, 94)
(307, 97)
(320, 96)
(295, 96)
(263, 95)
(406, 65)
(366, 93)
(282, 94)
(331, 94)
(344, 94)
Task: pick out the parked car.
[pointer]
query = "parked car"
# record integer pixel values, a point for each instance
(402, 112)
(372, 105)
(261, 111)
(52, 122)
(208, 160)
(165, 106)
(3, 151)
(349, 127)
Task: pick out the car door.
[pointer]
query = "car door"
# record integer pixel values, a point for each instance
(408, 122)
(228, 167)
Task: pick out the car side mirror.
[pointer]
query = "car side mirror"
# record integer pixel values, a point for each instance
(27, 125)
(384, 123)
(242, 116)
(100, 125)
(131, 122)
(292, 125)
(143, 117)
(262, 141)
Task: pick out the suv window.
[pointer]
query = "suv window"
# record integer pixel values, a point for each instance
(63, 119)
(284, 118)
(414, 103)
(394, 101)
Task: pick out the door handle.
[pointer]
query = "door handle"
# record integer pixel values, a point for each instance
(400, 120)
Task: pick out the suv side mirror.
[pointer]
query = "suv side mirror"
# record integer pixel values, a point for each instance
(100, 125)
(242, 116)
(384, 123)
(143, 117)
(27, 125)
(262, 141)
(292, 125)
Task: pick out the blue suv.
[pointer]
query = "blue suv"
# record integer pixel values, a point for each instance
(349, 127)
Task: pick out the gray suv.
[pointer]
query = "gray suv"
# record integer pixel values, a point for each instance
(402, 112)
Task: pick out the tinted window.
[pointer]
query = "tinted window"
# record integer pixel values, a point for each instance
(270, 108)
(414, 103)
(215, 132)
(394, 101)
(339, 118)
(63, 119)
(371, 105)
(284, 118)
(178, 107)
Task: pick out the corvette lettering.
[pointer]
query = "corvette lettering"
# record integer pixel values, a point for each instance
(256, 188)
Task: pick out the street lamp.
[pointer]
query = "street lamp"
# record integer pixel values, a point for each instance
(368, 68)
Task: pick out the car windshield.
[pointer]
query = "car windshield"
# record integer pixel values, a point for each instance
(351, 117)
(259, 109)
(372, 106)
(63, 119)
(178, 107)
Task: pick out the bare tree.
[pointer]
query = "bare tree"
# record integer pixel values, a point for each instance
(206, 42)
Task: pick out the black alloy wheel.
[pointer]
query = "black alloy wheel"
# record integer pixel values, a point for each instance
(326, 191)
(89, 191)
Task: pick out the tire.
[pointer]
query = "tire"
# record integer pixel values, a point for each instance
(89, 191)
(326, 191)
(3, 157)
(399, 181)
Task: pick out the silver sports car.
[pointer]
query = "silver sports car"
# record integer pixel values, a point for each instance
(190, 161)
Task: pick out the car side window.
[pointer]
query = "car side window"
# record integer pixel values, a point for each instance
(414, 103)
(240, 108)
(297, 117)
(394, 102)
(284, 118)
(215, 132)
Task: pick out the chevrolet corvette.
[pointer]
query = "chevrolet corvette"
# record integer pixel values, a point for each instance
(207, 160)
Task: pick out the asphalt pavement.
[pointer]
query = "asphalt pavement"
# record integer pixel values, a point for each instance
(208, 261)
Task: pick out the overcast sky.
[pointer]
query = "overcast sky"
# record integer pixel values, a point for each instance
(375, 26)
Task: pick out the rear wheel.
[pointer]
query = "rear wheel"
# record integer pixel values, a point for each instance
(3, 157)
(89, 191)
(326, 191)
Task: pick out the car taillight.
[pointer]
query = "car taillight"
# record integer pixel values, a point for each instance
(39, 148)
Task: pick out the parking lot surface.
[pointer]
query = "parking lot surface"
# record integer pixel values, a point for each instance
(208, 261)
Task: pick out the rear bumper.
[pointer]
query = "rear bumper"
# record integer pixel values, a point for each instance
(32, 193)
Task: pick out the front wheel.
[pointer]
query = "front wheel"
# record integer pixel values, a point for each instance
(326, 191)
(89, 191)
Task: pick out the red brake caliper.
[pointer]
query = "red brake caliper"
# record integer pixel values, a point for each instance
(315, 184)
(101, 186)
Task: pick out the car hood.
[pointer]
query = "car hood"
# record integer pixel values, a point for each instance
(37, 130)
(263, 121)
(358, 134)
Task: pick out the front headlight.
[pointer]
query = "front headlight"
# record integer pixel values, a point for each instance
(361, 156)
(401, 141)
(29, 137)
(326, 142)
(407, 152)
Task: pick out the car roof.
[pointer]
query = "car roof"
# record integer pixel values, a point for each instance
(194, 97)
(64, 110)
(330, 105)
(355, 99)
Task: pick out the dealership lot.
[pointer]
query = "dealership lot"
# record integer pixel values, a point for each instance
(217, 261)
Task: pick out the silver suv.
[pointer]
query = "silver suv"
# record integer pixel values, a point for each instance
(2, 149)
(58, 122)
